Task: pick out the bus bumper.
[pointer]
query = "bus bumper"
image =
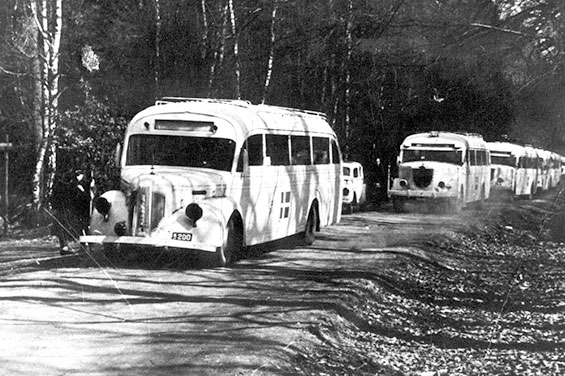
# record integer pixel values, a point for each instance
(406, 193)
(146, 242)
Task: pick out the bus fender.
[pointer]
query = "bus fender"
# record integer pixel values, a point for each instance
(222, 210)
(109, 209)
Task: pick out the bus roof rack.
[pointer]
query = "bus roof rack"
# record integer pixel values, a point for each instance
(236, 102)
(470, 134)
(290, 109)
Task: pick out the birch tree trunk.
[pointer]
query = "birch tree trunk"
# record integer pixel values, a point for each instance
(157, 64)
(347, 69)
(37, 73)
(271, 53)
(54, 91)
(235, 50)
(205, 30)
(219, 51)
(48, 61)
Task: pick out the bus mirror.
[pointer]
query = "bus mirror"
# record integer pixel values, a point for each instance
(118, 154)
(267, 161)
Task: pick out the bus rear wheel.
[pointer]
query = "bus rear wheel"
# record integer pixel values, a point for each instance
(233, 245)
(310, 228)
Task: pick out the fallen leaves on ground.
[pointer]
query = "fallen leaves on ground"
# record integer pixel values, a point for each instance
(501, 311)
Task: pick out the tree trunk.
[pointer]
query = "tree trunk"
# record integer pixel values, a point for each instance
(47, 59)
(54, 92)
(347, 65)
(157, 64)
(235, 50)
(37, 103)
(271, 53)
(205, 31)
(219, 52)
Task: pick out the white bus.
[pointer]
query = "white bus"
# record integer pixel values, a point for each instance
(554, 170)
(354, 187)
(513, 169)
(450, 168)
(544, 160)
(219, 175)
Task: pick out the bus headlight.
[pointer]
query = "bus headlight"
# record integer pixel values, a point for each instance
(102, 205)
(193, 212)
(403, 183)
(345, 191)
(441, 185)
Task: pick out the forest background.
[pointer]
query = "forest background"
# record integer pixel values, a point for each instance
(73, 72)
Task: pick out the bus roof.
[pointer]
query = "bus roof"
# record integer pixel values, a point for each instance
(244, 114)
(352, 164)
(444, 140)
(508, 147)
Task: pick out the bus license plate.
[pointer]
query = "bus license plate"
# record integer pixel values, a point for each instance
(184, 236)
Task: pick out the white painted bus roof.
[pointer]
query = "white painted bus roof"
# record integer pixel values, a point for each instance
(352, 164)
(446, 138)
(246, 115)
(503, 146)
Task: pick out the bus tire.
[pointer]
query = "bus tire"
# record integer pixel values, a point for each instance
(233, 246)
(3, 225)
(482, 198)
(310, 228)
(398, 204)
(455, 205)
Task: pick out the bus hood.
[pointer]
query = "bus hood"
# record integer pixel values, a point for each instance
(182, 184)
(444, 169)
(429, 174)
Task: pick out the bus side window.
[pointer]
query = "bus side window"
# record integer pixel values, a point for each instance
(253, 146)
(321, 148)
(255, 150)
(277, 149)
(472, 158)
(335, 153)
(300, 150)
(481, 158)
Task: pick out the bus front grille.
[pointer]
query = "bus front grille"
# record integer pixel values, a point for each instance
(422, 176)
(150, 209)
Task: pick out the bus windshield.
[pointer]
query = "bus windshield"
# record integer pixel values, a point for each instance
(183, 151)
(503, 160)
(445, 156)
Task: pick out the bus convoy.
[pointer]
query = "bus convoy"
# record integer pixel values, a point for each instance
(457, 169)
(217, 176)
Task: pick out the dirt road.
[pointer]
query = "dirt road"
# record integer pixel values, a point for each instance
(84, 315)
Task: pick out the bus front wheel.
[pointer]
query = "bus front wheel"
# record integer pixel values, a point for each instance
(310, 228)
(233, 246)
(398, 204)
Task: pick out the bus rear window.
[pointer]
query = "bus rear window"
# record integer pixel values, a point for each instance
(182, 151)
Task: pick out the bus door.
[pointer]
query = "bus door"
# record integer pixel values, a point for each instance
(252, 192)
(468, 189)
(280, 193)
